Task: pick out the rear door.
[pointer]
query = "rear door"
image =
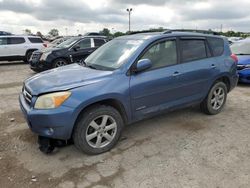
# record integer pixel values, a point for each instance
(86, 47)
(198, 67)
(17, 46)
(98, 42)
(4, 50)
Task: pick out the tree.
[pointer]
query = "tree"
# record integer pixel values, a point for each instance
(27, 31)
(105, 32)
(118, 33)
(38, 33)
(54, 32)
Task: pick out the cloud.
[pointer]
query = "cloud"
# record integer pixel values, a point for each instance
(96, 14)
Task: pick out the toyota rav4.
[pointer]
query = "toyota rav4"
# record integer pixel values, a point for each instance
(126, 80)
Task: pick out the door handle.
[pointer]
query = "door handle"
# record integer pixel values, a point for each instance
(213, 66)
(176, 73)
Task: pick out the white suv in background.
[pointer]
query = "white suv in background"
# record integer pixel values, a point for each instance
(13, 47)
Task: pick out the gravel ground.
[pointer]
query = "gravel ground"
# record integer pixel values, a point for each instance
(181, 149)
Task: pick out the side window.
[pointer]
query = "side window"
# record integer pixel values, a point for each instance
(192, 49)
(99, 42)
(217, 45)
(3, 41)
(162, 54)
(85, 44)
(35, 40)
(16, 40)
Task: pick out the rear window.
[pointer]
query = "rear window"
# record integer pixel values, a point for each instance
(193, 49)
(35, 40)
(217, 45)
(16, 40)
(99, 42)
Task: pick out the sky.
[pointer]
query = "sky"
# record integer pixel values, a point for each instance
(73, 17)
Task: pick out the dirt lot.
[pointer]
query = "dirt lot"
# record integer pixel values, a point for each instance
(181, 149)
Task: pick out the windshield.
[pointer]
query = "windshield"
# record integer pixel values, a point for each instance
(241, 48)
(113, 54)
(67, 43)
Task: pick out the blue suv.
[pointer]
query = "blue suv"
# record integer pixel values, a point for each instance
(126, 80)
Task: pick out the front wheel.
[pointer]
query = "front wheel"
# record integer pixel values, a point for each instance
(215, 100)
(59, 63)
(98, 130)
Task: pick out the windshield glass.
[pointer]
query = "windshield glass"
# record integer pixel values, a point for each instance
(241, 48)
(113, 54)
(67, 43)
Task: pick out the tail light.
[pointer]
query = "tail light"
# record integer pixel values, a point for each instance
(235, 58)
(45, 45)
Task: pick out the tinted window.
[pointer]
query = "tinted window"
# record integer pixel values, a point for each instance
(3, 41)
(217, 45)
(99, 42)
(162, 54)
(35, 40)
(192, 49)
(16, 40)
(85, 44)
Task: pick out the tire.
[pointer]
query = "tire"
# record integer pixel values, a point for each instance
(28, 55)
(89, 136)
(215, 100)
(59, 63)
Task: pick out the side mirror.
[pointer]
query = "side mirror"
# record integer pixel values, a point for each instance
(143, 64)
(76, 47)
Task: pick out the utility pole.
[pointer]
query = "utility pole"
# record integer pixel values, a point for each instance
(129, 13)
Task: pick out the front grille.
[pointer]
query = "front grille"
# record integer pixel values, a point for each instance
(35, 56)
(27, 96)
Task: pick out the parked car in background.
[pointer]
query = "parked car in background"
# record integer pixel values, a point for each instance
(126, 80)
(58, 41)
(92, 34)
(242, 50)
(14, 48)
(4, 33)
(232, 40)
(70, 51)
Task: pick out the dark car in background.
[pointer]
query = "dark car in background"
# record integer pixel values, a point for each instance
(242, 50)
(70, 51)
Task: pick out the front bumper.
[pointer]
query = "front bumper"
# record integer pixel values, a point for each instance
(54, 123)
(244, 76)
(39, 65)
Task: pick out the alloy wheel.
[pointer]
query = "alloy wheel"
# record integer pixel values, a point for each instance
(218, 98)
(101, 131)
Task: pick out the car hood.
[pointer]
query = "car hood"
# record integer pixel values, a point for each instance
(65, 78)
(243, 59)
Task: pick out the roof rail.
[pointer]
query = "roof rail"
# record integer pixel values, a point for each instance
(191, 30)
(144, 31)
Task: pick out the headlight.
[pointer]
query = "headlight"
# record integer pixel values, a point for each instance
(52, 100)
(45, 55)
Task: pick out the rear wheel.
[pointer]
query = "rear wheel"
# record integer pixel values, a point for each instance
(59, 63)
(216, 99)
(98, 130)
(28, 56)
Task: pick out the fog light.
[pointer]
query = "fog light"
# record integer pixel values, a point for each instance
(50, 131)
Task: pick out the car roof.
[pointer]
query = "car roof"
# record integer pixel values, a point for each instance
(159, 35)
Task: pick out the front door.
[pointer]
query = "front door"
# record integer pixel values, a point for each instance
(84, 48)
(158, 88)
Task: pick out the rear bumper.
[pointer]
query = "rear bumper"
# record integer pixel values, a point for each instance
(55, 123)
(234, 81)
(244, 76)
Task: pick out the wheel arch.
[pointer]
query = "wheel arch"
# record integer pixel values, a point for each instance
(118, 105)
